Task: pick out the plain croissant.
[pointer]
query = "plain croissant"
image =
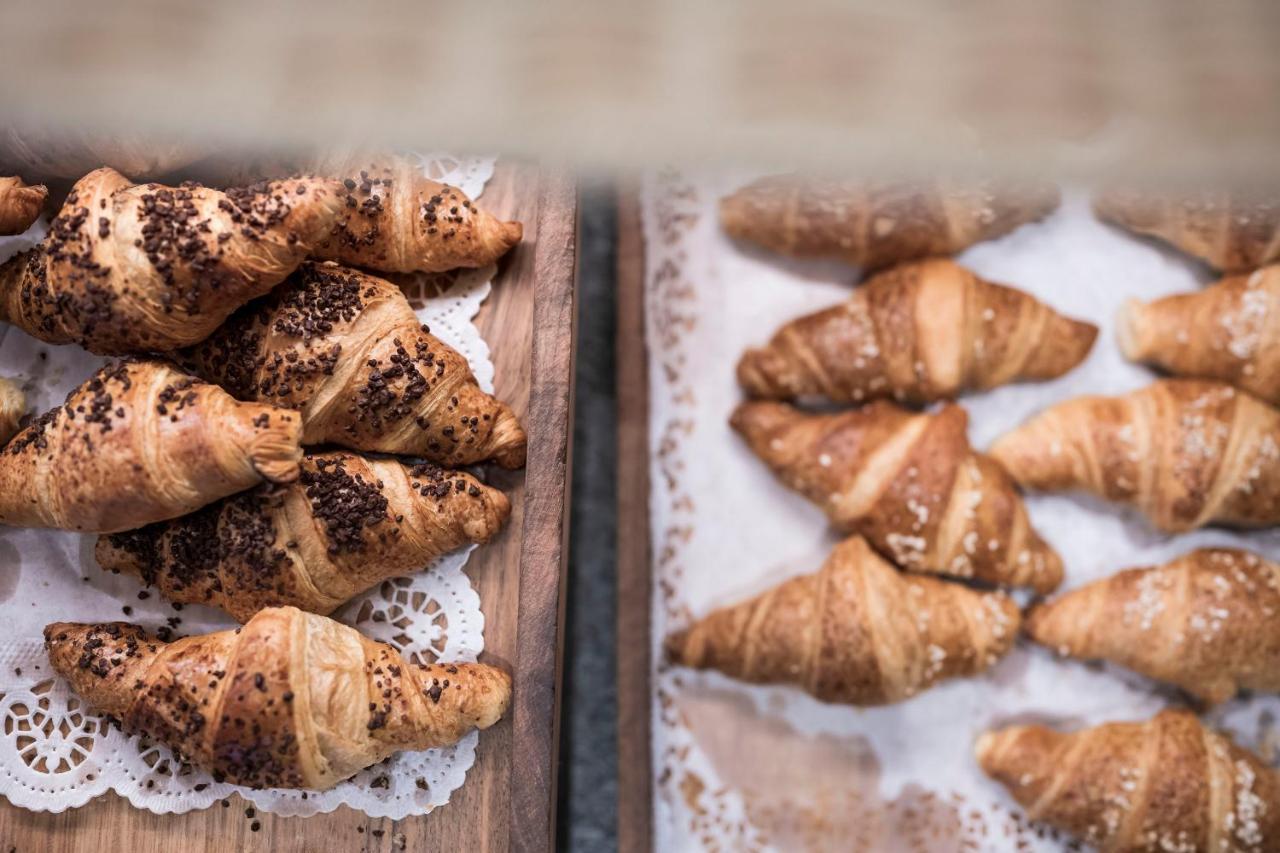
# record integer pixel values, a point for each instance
(399, 220)
(347, 350)
(919, 332)
(141, 442)
(1184, 452)
(858, 632)
(877, 225)
(909, 483)
(13, 405)
(1168, 784)
(1208, 622)
(130, 268)
(289, 700)
(20, 205)
(1230, 332)
(347, 524)
(1231, 233)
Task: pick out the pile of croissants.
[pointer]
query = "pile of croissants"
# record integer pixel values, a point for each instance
(277, 433)
(937, 528)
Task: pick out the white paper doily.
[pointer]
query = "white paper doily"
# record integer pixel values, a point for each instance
(55, 755)
(741, 767)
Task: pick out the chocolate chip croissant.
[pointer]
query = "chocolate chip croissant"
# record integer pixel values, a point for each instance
(919, 332)
(135, 268)
(140, 442)
(345, 525)
(289, 700)
(858, 631)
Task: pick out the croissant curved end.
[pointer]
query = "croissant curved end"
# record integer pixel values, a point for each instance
(761, 373)
(1131, 328)
(486, 524)
(508, 440)
(675, 646)
(275, 450)
(984, 748)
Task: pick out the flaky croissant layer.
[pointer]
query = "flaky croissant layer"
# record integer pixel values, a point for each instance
(857, 631)
(134, 268)
(1208, 621)
(877, 225)
(919, 332)
(1161, 785)
(910, 483)
(347, 350)
(345, 525)
(141, 442)
(1186, 453)
(289, 700)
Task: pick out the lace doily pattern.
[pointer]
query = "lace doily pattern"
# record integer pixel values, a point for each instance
(57, 755)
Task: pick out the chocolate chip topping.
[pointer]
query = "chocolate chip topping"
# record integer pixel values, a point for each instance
(346, 503)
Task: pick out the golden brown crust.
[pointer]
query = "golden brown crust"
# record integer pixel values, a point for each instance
(13, 405)
(919, 332)
(20, 205)
(290, 700)
(1165, 784)
(857, 632)
(1208, 622)
(877, 225)
(1231, 233)
(1229, 332)
(347, 524)
(132, 268)
(140, 442)
(909, 483)
(1186, 453)
(347, 350)
(399, 220)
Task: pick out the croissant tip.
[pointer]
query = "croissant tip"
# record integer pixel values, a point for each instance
(674, 646)
(510, 441)
(984, 749)
(1130, 326)
(512, 233)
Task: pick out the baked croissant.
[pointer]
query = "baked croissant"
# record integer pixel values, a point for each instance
(347, 350)
(68, 155)
(140, 442)
(1184, 452)
(1230, 332)
(877, 225)
(13, 405)
(1167, 784)
(399, 220)
(919, 332)
(909, 483)
(131, 268)
(347, 524)
(1231, 233)
(20, 205)
(289, 700)
(858, 632)
(1208, 622)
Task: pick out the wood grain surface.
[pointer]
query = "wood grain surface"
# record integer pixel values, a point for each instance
(508, 800)
(635, 588)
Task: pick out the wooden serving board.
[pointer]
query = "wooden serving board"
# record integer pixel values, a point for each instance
(508, 800)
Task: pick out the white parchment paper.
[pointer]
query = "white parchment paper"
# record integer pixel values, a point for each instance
(769, 767)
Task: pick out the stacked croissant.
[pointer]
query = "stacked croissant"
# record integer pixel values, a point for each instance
(937, 529)
(277, 434)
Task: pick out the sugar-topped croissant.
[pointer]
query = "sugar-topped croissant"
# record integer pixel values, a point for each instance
(347, 350)
(1232, 233)
(858, 631)
(1167, 784)
(289, 700)
(919, 332)
(877, 225)
(909, 483)
(1229, 331)
(399, 220)
(1208, 622)
(140, 442)
(345, 525)
(20, 205)
(1186, 453)
(132, 268)
(13, 405)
